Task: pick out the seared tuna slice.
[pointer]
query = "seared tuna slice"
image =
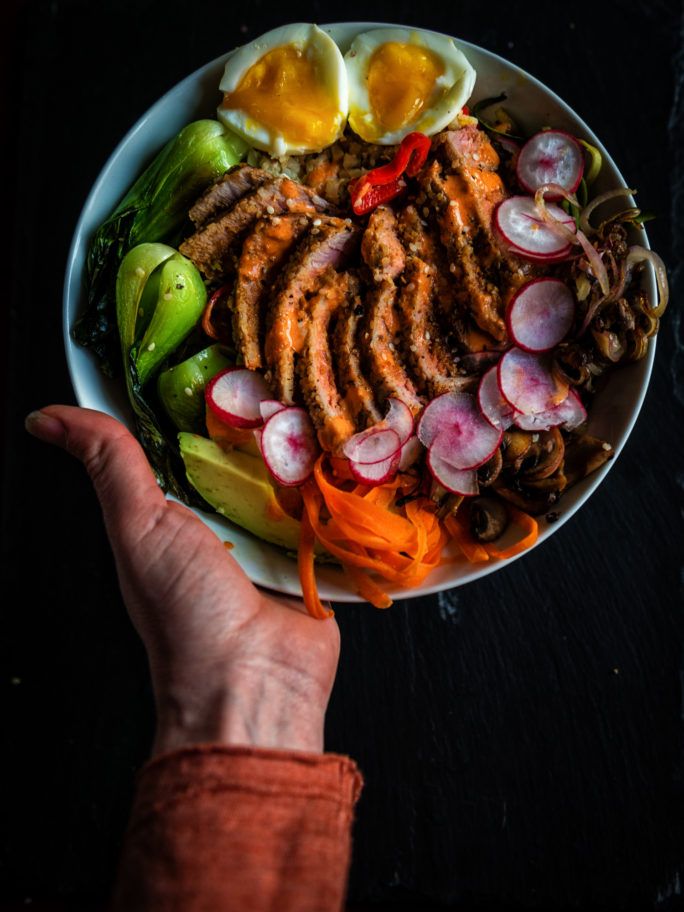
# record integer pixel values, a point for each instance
(226, 191)
(432, 366)
(329, 243)
(381, 249)
(213, 249)
(264, 252)
(356, 390)
(379, 340)
(329, 412)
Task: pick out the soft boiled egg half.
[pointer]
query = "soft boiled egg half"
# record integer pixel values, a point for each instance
(403, 80)
(286, 92)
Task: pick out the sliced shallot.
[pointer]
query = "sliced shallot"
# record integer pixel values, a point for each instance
(528, 383)
(234, 395)
(289, 445)
(540, 314)
(550, 156)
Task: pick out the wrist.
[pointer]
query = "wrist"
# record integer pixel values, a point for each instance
(260, 710)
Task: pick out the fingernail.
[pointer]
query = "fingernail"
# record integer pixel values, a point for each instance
(45, 427)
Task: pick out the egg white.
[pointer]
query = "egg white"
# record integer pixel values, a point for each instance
(451, 91)
(318, 45)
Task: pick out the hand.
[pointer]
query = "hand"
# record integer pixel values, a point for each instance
(228, 662)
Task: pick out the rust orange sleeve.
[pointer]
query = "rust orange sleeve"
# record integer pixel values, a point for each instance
(218, 827)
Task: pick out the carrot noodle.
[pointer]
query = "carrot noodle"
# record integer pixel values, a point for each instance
(307, 576)
(528, 524)
(457, 526)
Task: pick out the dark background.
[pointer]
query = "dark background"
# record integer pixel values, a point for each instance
(520, 737)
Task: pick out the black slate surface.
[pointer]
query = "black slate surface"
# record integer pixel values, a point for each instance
(520, 737)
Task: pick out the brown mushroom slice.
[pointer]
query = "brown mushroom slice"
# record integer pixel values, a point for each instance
(535, 498)
(488, 518)
(490, 471)
(544, 456)
(584, 455)
(515, 445)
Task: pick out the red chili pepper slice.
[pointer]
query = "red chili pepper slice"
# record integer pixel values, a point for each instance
(385, 183)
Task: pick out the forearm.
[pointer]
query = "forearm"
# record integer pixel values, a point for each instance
(216, 827)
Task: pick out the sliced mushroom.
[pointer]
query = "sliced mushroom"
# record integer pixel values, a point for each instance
(585, 454)
(491, 469)
(488, 518)
(544, 456)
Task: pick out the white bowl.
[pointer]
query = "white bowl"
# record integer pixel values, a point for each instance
(613, 411)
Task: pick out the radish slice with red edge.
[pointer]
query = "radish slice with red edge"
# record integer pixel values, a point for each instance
(374, 445)
(399, 417)
(234, 396)
(550, 157)
(520, 224)
(492, 404)
(462, 435)
(376, 473)
(540, 314)
(468, 444)
(457, 481)
(289, 445)
(528, 383)
(411, 451)
(568, 414)
(268, 407)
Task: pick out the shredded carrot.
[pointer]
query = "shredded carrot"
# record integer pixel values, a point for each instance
(530, 527)
(307, 576)
(457, 526)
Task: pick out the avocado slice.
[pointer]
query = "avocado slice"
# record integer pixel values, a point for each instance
(238, 486)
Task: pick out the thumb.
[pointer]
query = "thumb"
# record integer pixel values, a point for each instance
(123, 479)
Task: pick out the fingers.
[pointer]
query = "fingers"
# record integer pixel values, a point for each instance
(124, 482)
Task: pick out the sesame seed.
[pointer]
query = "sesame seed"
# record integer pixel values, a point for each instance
(606, 446)
(317, 222)
(411, 286)
(151, 347)
(270, 210)
(391, 346)
(427, 336)
(187, 391)
(168, 296)
(140, 271)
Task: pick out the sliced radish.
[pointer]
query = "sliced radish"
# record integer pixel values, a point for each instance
(376, 472)
(372, 446)
(568, 414)
(468, 444)
(551, 157)
(520, 223)
(399, 417)
(434, 415)
(540, 314)
(545, 260)
(527, 382)
(411, 452)
(458, 431)
(492, 404)
(268, 407)
(234, 396)
(289, 445)
(458, 481)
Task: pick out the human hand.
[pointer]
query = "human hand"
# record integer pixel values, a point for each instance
(228, 662)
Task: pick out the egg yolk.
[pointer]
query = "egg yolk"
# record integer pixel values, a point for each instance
(284, 91)
(401, 82)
